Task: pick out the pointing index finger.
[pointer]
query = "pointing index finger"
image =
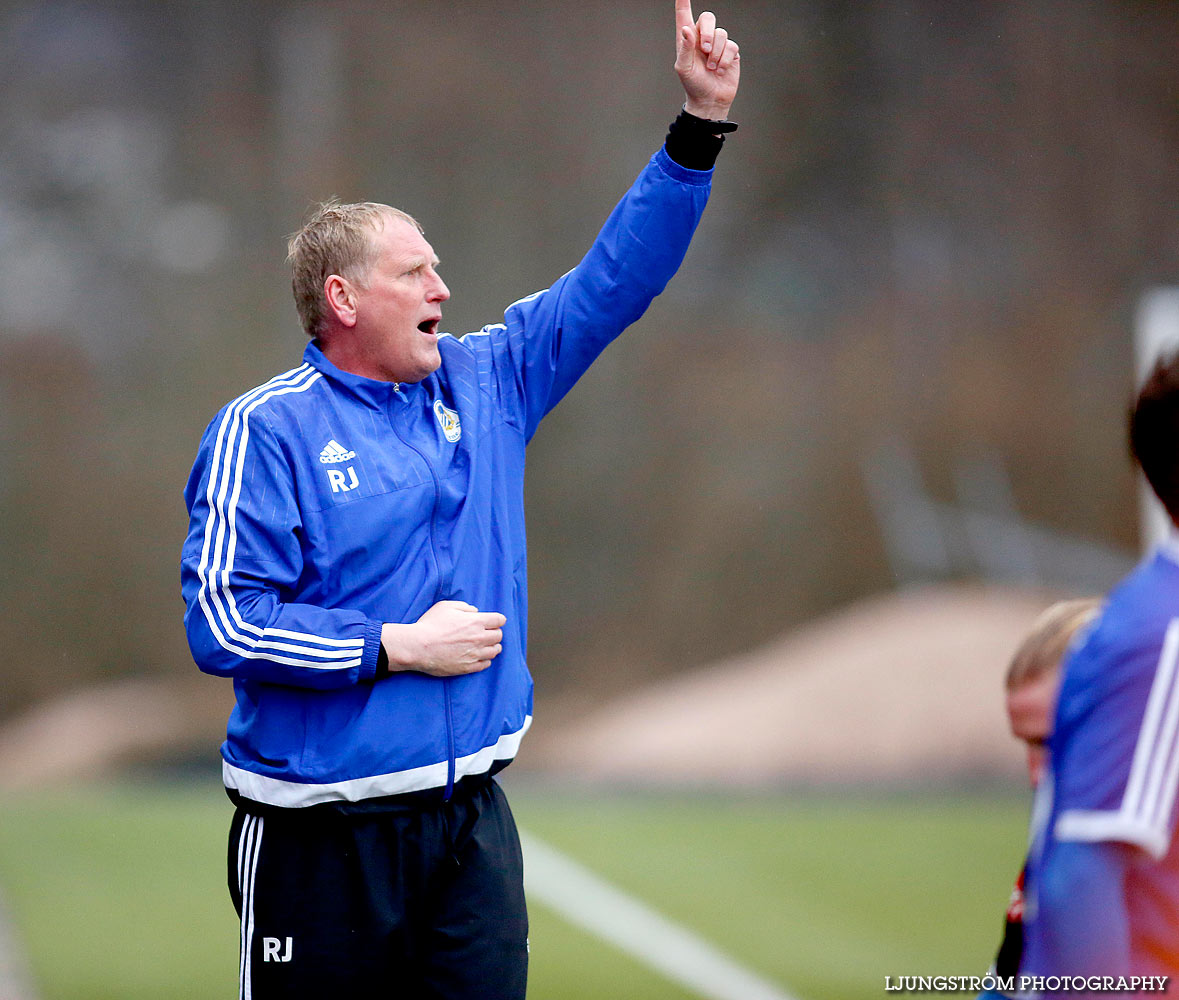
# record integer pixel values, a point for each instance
(683, 14)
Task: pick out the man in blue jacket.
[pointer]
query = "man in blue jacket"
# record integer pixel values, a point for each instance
(356, 563)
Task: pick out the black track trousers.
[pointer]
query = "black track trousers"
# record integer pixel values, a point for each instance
(403, 899)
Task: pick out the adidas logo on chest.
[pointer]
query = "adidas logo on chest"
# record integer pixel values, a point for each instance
(341, 480)
(334, 453)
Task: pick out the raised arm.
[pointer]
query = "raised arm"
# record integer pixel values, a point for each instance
(549, 339)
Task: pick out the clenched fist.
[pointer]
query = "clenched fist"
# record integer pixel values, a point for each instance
(450, 639)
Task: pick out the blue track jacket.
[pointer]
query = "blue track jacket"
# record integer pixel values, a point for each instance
(323, 504)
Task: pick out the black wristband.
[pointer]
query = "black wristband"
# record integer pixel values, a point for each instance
(695, 142)
(714, 126)
(382, 664)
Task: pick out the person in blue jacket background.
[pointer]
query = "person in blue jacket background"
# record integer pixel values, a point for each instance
(356, 563)
(1102, 901)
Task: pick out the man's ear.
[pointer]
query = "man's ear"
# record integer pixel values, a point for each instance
(340, 295)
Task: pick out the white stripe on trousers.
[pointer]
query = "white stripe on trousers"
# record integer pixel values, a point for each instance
(249, 846)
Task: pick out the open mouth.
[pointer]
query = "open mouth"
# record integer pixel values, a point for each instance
(430, 326)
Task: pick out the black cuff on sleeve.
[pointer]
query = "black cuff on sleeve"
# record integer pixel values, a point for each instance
(691, 143)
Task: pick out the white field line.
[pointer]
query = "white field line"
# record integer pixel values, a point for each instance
(15, 982)
(633, 927)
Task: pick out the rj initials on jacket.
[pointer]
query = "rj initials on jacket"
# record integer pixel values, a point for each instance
(323, 504)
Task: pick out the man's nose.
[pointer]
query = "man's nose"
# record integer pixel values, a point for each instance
(439, 293)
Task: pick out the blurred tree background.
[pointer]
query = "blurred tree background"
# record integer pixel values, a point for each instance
(933, 228)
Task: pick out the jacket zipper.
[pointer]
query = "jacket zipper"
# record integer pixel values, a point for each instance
(450, 750)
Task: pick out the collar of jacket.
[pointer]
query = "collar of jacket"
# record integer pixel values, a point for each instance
(372, 392)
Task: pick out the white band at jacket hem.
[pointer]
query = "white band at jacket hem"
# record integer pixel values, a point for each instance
(296, 794)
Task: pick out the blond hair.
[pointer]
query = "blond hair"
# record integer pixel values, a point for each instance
(335, 239)
(1048, 640)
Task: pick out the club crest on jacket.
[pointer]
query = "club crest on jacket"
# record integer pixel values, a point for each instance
(448, 420)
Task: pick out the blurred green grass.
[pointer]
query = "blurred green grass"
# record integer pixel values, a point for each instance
(119, 891)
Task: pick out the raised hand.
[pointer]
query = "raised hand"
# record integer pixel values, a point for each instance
(708, 62)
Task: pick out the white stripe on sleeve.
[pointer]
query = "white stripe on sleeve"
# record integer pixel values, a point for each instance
(216, 597)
